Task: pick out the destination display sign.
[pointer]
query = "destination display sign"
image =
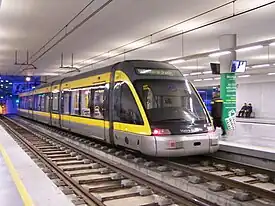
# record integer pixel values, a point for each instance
(159, 72)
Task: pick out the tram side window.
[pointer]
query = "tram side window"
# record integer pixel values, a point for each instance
(55, 100)
(27, 102)
(97, 103)
(24, 106)
(85, 102)
(35, 102)
(125, 107)
(42, 102)
(30, 102)
(75, 102)
(65, 102)
(21, 103)
(47, 102)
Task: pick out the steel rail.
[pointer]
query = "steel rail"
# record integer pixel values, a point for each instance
(188, 170)
(226, 181)
(181, 196)
(88, 198)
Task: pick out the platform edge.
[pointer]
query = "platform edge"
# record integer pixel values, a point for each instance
(26, 198)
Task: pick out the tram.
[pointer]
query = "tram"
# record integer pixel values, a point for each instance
(142, 105)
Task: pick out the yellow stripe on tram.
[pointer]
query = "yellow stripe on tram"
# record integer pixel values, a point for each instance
(26, 198)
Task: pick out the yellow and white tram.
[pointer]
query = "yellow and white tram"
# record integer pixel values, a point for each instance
(146, 106)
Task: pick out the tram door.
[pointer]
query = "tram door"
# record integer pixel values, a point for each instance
(106, 113)
(65, 110)
(31, 106)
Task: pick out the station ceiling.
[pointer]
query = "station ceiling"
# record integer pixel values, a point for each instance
(105, 25)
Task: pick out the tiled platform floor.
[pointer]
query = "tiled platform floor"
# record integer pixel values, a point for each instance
(254, 134)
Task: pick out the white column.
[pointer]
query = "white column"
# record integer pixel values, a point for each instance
(227, 42)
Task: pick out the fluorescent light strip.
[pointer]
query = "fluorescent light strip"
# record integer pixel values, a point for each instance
(272, 44)
(177, 61)
(185, 75)
(208, 79)
(49, 74)
(260, 66)
(195, 73)
(217, 54)
(217, 78)
(271, 74)
(244, 76)
(250, 48)
(207, 72)
(197, 80)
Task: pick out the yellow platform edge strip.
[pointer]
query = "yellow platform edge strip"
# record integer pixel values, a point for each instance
(26, 199)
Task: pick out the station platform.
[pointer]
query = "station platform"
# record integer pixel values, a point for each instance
(22, 181)
(251, 139)
(9, 194)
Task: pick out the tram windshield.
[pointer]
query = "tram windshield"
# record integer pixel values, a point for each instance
(171, 100)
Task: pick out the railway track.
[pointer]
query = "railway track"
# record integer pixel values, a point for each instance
(92, 180)
(216, 180)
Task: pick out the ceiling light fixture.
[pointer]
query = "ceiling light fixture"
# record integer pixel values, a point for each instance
(179, 61)
(185, 75)
(28, 79)
(217, 54)
(244, 76)
(249, 48)
(197, 80)
(272, 73)
(108, 54)
(207, 72)
(217, 78)
(272, 44)
(208, 79)
(49, 74)
(195, 73)
(260, 66)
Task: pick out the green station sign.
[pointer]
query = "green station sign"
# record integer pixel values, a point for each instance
(228, 94)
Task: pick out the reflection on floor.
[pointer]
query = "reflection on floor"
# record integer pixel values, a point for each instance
(253, 134)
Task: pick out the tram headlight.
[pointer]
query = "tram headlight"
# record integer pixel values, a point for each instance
(158, 132)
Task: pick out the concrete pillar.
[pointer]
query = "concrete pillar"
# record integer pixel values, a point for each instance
(227, 42)
(228, 81)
